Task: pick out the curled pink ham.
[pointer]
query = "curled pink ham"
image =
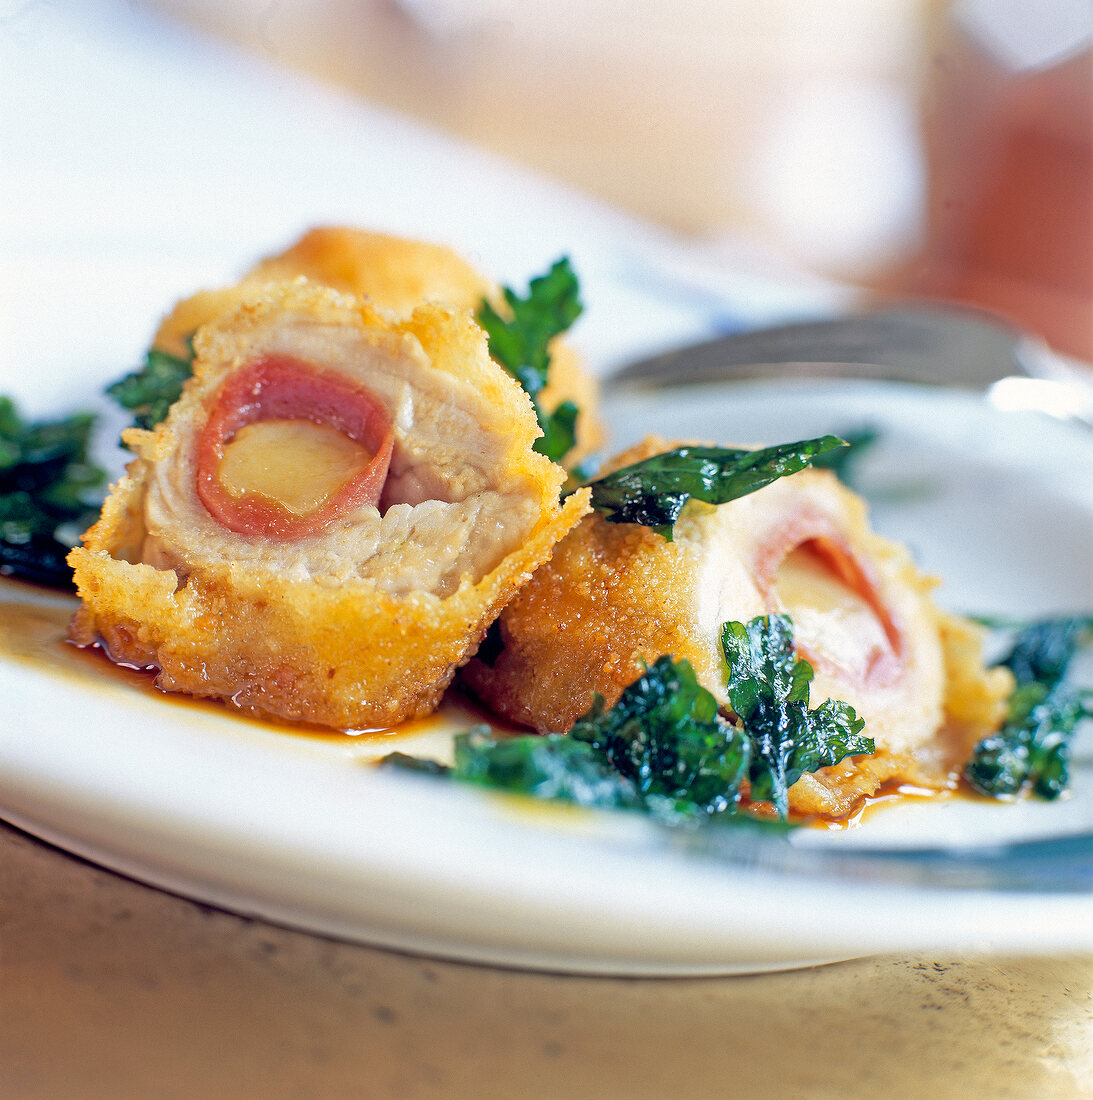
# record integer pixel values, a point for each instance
(278, 387)
(850, 581)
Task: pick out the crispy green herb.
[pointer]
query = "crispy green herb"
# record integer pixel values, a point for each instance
(768, 687)
(663, 748)
(666, 736)
(554, 768)
(1041, 651)
(666, 749)
(49, 492)
(521, 344)
(148, 393)
(551, 767)
(415, 763)
(1031, 751)
(654, 491)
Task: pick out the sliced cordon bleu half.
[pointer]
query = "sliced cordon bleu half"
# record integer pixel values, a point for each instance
(329, 518)
(616, 596)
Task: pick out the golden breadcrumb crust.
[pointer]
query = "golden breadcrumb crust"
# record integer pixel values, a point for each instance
(346, 656)
(608, 599)
(396, 275)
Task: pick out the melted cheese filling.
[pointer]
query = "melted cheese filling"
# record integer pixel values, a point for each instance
(296, 465)
(829, 616)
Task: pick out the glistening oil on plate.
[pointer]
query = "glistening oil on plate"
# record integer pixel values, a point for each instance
(33, 631)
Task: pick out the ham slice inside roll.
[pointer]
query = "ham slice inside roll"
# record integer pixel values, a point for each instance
(325, 449)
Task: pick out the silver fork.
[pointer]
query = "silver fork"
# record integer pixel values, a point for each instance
(925, 344)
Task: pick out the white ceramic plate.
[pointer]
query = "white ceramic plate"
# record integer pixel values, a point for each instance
(302, 830)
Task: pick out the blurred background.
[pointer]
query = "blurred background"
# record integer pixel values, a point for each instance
(911, 147)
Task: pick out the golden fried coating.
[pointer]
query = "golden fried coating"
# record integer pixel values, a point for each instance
(361, 622)
(614, 596)
(395, 274)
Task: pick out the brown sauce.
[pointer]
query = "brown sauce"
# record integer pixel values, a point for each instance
(33, 630)
(890, 794)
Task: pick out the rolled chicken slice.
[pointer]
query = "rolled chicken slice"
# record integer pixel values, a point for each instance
(329, 518)
(395, 274)
(616, 596)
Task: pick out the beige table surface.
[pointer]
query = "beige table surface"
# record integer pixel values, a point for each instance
(112, 989)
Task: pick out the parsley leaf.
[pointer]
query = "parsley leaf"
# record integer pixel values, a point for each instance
(663, 749)
(416, 763)
(149, 393)
(521, 344)
(1041, 651)
(666, 749)
(554, 767)
(666, 736)
(49, 492)
(768, 687)
(1032, 748)
(654, 491)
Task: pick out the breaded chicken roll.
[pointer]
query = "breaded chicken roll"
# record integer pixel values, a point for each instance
(615, 595)
(329, 518)
(395, 274)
